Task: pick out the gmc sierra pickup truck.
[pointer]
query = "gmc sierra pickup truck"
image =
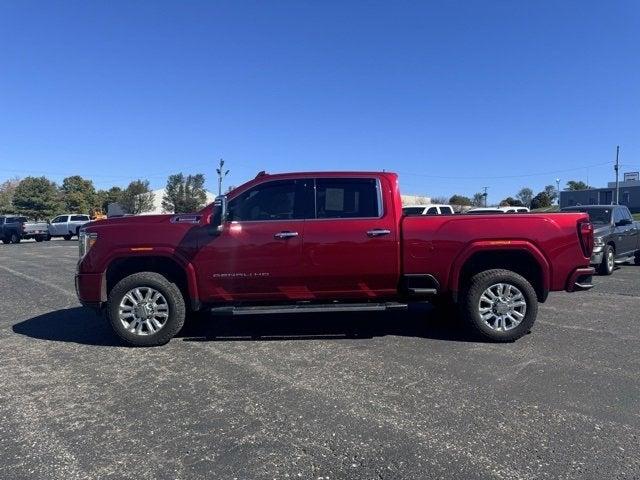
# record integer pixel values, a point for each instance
(327, 242)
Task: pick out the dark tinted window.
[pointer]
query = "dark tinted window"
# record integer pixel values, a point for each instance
(61, 218)
(413, 210)
(432, 211)
(600, 216)
(79, 218)
(347, 198)
(446, 210)
(269, 201)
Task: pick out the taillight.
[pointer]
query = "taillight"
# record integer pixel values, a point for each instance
(585, 229)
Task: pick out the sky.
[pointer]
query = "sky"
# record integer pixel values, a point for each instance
(452, 95)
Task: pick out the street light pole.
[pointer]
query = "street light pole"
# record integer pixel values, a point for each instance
(558, 189)
(221, 174)
(617, 168)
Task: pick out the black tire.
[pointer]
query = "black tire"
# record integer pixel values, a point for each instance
(67, 237)
(78, 232)
(636, 260)
(607, 265)
(6, 241)
(174, 299)
(39, 238)
(47, 238)
(470, 305)
(15, 238)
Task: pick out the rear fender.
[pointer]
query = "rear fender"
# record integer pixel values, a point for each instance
(498, 246)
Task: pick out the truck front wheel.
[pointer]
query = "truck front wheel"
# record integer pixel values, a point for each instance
(499, 305)
(608, 261)
(146, 309)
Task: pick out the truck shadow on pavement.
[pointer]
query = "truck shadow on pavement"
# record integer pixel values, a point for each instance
(83, 326)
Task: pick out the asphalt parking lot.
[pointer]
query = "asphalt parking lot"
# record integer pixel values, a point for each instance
(386, 396)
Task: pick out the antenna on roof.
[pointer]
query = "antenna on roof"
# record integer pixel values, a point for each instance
(261, 173)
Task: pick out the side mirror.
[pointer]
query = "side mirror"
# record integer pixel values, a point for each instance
(624, 222)
(220, 213)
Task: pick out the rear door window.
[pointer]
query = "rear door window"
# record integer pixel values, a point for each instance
(432, 211)
(446, 210)
(79, 218)
(347, 198)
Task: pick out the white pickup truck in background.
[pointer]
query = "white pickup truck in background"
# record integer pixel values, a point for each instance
(66, 226)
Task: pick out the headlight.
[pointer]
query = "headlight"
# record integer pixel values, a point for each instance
(598, 242)
(85, 242)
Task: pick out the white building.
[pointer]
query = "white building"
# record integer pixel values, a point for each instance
(415, 200)
(158, 195)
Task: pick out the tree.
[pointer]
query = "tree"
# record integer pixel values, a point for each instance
(439, 200)
(574, 185)
(184, 194)
(478, 199)
(525, 195)
(106, 197)
(551, 192)
(460, 200)
(7, 189)
(78, 194)
(36, 197)
(541, 200)
(511, 202)
(137, 197)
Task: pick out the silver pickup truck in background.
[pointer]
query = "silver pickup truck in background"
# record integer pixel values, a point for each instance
(68, 225)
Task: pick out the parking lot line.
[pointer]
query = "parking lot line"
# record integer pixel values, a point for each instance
(39, 281)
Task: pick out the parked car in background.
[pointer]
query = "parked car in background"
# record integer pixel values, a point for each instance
(11, 228)
(616, 235)
(484, 211)
(431, 209)
(514, 209)
(326, 242)
(39, 231)
(68, 225)
(497, 210)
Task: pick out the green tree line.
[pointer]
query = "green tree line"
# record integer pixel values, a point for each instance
(40, 198)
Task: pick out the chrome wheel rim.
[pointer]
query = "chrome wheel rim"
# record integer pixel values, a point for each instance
(502, 307)
(143, 311)
(610, 261)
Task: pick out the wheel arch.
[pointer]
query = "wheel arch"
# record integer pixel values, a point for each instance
(518, 256)
(175, 269)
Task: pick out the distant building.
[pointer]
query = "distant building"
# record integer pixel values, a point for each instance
(415, 200)
(629, 194)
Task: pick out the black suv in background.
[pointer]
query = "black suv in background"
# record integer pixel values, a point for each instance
(11, 228)
(616, 235)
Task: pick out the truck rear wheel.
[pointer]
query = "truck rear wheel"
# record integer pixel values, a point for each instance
(39, 238)
(15, 238)
(499, 305)
(146, 309)
(67, 237)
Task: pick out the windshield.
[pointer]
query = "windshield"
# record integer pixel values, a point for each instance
(597, 216)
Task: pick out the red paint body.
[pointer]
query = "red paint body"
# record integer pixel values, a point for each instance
(331, 259)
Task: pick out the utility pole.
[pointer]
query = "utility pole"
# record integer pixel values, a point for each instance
(485, 194)
(558, 189)
(617, 168)
(221, 174)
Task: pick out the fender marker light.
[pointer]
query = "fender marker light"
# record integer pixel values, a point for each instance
(141, 249)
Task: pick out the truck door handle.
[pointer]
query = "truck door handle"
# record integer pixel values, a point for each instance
(285, 235)
(378, 232)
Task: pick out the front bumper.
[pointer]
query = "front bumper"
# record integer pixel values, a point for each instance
(89, 289)
(580, 279)
(597, 255)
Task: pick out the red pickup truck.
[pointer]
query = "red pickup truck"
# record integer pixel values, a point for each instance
(327, 242)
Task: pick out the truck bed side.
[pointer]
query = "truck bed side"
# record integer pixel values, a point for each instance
(444, 246)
